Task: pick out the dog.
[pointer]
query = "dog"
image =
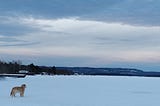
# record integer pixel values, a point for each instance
(18, 89)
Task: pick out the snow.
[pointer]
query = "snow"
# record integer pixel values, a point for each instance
(82, 91)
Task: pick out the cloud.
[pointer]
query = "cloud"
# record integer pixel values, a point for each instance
(55, 8)
(134, 12)
(19, 44)
(81, 32)
(73, 38)
(11, 26)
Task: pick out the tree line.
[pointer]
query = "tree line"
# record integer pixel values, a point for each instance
(15, 66)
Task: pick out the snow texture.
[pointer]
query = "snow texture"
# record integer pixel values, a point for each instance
(82, 91)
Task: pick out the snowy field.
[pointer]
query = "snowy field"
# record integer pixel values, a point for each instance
(82, 91)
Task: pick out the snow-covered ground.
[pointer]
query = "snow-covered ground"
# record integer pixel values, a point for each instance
(82, 91)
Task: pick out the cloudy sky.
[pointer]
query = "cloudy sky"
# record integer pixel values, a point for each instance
(94, 33)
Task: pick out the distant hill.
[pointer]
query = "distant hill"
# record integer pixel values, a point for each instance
(109, 71)
(15, 67)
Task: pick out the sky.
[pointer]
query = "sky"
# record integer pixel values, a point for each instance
(82, 33)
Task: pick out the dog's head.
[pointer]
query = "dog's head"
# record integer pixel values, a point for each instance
(23, 85)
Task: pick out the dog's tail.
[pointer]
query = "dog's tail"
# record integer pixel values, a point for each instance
(11, 94)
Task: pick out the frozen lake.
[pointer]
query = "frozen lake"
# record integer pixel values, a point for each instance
(82, 91)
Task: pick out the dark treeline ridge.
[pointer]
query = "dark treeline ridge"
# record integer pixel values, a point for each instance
(15, 67)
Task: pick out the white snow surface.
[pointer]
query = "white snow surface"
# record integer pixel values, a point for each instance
(82, 91)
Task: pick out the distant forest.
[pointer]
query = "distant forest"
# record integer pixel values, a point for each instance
(15, 66)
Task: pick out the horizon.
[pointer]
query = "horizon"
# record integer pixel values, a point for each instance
(81, 33)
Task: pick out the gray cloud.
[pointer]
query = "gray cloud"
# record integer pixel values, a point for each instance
(129, 43)
(11, 41)
(20, 44)
(54, 8)
(12, 26)
(46, 28)
(135, 12)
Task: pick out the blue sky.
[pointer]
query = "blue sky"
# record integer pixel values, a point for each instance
(93, 33)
